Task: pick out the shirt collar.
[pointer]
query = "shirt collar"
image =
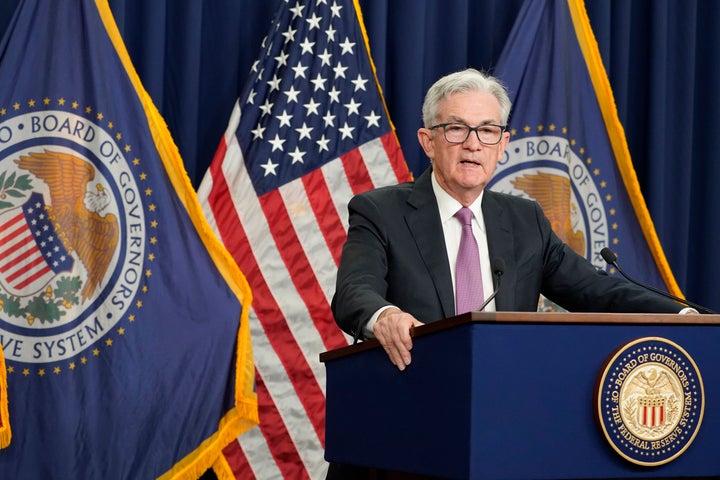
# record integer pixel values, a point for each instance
(448, 206)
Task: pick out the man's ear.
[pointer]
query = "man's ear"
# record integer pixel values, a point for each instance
(425, 137)
(503, 145)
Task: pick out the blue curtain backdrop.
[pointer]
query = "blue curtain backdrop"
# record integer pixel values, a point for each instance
(662, 58)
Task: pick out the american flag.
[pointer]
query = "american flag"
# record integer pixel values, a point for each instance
(31, 252)
(309, 131)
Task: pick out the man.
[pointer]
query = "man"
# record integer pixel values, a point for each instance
(401, 265)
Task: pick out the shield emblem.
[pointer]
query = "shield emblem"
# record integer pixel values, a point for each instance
(31, 253)
(652, 410)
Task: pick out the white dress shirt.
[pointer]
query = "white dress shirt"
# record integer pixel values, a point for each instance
(452, 231)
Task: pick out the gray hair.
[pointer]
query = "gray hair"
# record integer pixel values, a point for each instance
(460, 82)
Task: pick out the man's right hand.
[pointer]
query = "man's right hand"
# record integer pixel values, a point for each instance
(392, 330)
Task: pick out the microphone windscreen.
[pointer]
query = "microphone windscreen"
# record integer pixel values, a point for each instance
(608, 255)
(498, 266)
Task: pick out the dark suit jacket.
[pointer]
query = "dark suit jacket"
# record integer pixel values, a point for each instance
(395, 254)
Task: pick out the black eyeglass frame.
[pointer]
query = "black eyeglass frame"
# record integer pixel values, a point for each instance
(502, 128)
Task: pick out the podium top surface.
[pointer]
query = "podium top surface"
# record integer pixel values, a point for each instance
(535, 318)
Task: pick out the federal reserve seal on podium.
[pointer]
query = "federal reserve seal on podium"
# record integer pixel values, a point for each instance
(650, 401)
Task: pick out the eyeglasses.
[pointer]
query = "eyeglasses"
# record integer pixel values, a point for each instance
(488, 134)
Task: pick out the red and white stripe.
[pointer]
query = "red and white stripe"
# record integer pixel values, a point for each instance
(21, 261)
(652, 416)
(287, 243)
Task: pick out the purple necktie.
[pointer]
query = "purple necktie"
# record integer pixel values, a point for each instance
(468, 278)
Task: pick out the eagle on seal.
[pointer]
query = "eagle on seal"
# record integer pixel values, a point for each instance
(91, 236)
(552, 192)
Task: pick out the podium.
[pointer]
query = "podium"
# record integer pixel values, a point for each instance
(509, 395)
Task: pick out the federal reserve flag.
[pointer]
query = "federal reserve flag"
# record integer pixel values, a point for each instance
(123, 321)
(567, 147)
(308, 132)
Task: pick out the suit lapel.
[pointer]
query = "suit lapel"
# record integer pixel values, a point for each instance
(500, 245)
(423, 220)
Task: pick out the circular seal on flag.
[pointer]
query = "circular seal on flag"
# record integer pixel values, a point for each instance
(72, 234)
(650, 401)
(545, 168)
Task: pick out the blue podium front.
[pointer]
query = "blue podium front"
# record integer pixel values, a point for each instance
(515, 395)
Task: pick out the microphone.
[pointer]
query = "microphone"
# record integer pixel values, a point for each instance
(611, 258)
(497, 265)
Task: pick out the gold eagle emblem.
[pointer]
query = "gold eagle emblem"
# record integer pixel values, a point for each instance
(552, 192)
(75, 211)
